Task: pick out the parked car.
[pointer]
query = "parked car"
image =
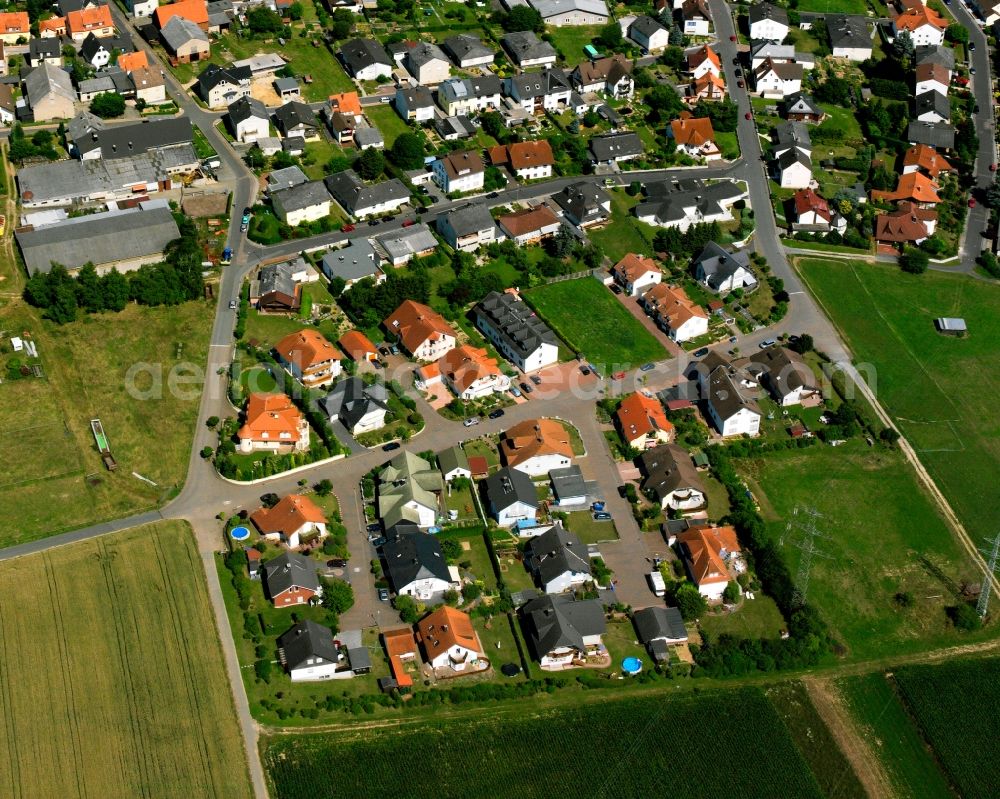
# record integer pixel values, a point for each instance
(647, 367)
(747, 115)
(393, 349)
(383, 594)
(585, 369)
(536, 380)
(390, 446)
(247, 213)
(374, 527)
(409, 222)
(700, 353)
(526, 387)
(348, 228)
(616, 289)
(496, 414)
(472, 420)
(739, 72)
(337, 563)
(602, 516)
(375, 223)
(732, 339)
(618, 376)
(378, 542)
(732, 38)
(740, 84)
(515, 391)
(378, 364)
(232, 305)
(768, 342)
(972, 202)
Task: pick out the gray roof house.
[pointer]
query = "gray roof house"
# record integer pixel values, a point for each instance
(414, 562)
(721, 270)
(40, 50)
(516, 331)
(584, 204)
(427, 63)
(936, 134)
(568, 485)
(615, 147)
(289, 572)
(526, 49)
(457, 127)
(557, 560)
(801, 106)
(467, 227)
(511, 497)
(659, 627)
(358, 407)
(298, 199)
(400, 246)
(121, 240)
(671, 477)
(286, 178)
(789, 135)
(935, 54)
(360, 199)
(453, 462)
(307, 645)
(850, 36)
(121, 141)
(560, 630)
(368, 137)
(364, 58)
(179, 33)
(409, 489)
(50, 92)
(352, 263)
(932, 106)
(466, 50)
(295, 118)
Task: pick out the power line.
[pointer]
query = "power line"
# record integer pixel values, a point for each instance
(807, 544)
(991, 566)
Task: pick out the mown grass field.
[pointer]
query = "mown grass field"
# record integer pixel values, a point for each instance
(624, 233)
(111, 675)
(955, 704)
(592, 321)
(52, 478)
(715, 745)
(882, 721)
(943, 392)
(881, 536)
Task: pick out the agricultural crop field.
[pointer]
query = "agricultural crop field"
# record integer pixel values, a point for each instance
(591, 320)
(115, 367)
(943, 392)
(882, 722)
(955, 705)
(112, 681)
(880, 535)
(624, 747)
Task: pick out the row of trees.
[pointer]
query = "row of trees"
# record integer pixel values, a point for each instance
(64, 296)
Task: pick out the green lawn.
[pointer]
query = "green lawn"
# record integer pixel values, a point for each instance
(843, 120)
(624, 233)
(571, 39)
(729, 145)
(385, 118)
(592, 321)
(881, 535)
(756, 618)
(583, 525)
(943, 393)
(883, 722)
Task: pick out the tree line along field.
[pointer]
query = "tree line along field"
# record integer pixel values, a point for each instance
(880, 536)
(956, 704)
(942, 392)
(725, 744)
(52, 478)
(111, 675)
(592, 321)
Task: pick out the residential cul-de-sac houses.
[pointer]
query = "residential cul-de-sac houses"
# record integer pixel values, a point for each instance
(294, 518)
(291, 579)
(611, 75)
(794, 167)
(530, 225)
(428, 64)
(921, 158)
(694, 137)
(358, 407)
(272, 423)
(309, 358)
(248, 120)
(536, 447)
(297, 119)
(569, 489)
(704, 61)
(469, 95)
(658, 629)
(557, 560)
(309, 653)
(671, 479)
(768, 21)
(401, 246)
(813, 212)
(932, 77)
(730, 401)
(696, 17)
(510, 497)
(615, 148)
(353, 263)
(409, 490)
(454, 463)
(449, 640)
(924, 25)
(365, 59)
(908, 224)
(777, 80)
(527, 50)
(468, 227)
(468, 372)
(933, 106)
(460, 172)
(516, 331)
(642, 422)
(416, 104)
(688, 202)
(421, 330)
(675, 312)
(636, 274)
(563, 632)
(360, 199)
(466, 51)
(357, 346)
(306, 202)
(722, 271)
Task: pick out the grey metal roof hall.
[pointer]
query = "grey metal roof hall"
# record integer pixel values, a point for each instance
(518, 325)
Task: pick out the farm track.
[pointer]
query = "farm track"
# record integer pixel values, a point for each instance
(865, 763)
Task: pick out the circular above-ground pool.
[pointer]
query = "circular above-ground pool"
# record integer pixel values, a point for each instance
(239, 533)
(631, 665)
(510, 669)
